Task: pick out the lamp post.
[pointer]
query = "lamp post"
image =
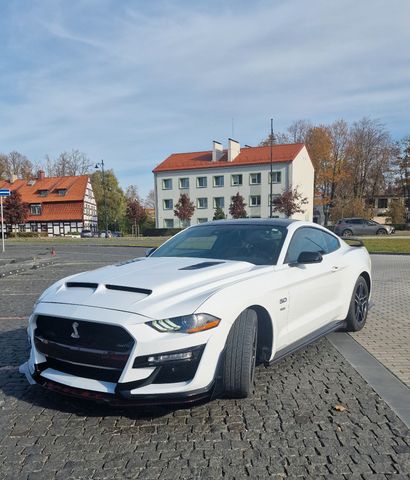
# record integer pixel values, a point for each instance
(271, 168)
(98, 166)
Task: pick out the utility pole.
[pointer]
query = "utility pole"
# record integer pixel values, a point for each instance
(97, 166)
(271, 169)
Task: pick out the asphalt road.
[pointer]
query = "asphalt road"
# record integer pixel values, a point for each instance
(290, 428)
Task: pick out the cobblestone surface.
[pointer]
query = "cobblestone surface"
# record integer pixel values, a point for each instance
(289, 428)
(386, 334)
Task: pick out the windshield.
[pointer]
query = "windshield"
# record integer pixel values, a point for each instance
(257, 244)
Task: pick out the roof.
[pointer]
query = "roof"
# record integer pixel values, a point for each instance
(247, 156)
(75, 186)
(54, 207)
(58, 212)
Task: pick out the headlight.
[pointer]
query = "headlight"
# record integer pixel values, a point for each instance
(197, 322)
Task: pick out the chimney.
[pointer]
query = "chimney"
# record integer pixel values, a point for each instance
(234, 149)
(217, 151)
(41, 175)
(12, 178)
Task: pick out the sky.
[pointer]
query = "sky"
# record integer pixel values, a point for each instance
(132, 81)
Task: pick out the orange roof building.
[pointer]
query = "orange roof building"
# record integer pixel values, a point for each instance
(211, 178)
(58, 205)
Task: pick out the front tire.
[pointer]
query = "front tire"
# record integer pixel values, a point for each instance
(240, 356)
(359, 306)
(381, 231)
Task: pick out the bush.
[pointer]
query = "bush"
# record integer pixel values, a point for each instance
(161, 232)
(400, 226)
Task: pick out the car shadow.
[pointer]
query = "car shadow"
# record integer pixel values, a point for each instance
(14, 351)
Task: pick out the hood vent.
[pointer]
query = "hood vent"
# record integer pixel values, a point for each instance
(198, 266)
(81, 285)
(129, 289)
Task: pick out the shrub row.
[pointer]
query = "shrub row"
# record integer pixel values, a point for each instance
(161, 232)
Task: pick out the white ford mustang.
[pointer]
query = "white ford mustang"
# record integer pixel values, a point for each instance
(193, 318)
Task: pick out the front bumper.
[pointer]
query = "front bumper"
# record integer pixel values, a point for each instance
(136, 383)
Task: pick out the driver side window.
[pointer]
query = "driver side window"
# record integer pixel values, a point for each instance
(306, 239)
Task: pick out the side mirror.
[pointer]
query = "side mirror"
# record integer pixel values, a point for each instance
(310, 257)
(149, 251)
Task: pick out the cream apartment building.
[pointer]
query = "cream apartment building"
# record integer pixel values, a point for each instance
(211, 178)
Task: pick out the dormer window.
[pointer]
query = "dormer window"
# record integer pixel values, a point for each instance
(43, 193)
(61, 191)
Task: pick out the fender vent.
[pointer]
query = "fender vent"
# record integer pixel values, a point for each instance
(81, 285)
(198, 266)
(129, 289)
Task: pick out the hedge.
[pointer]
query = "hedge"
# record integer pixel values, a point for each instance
(161, 232)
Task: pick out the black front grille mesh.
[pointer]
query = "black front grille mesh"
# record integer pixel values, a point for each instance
(86, 349)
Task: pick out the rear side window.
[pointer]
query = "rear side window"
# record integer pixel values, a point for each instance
(308, 239)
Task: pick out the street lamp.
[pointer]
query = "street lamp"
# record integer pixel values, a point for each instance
(271, 168)
(98, 166)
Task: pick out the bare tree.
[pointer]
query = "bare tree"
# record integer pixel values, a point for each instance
(68, 164)
(150, 200)
(299, 130)
(131, 193)
(17, 164)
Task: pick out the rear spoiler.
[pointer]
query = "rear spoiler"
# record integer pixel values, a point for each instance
(355, 242)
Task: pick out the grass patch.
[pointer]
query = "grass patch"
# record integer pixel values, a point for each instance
(387, 245)
(115, 241)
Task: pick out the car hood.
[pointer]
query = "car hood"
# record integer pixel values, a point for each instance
(152, 287)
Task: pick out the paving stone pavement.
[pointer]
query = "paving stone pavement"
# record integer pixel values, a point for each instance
(386, 334)
(289, 428)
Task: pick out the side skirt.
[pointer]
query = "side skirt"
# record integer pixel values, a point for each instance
(305, 341)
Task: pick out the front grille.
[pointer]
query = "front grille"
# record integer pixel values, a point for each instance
(87, 349)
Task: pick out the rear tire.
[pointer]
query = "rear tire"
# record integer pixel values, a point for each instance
(359, 306)
(347, 233)
(240, 356)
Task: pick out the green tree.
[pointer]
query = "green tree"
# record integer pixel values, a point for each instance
(237, 206)
(219, 214)
(115, 200)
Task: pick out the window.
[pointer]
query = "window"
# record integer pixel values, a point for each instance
(255, 178)
(184, 183)
(307, 239)
(236, 180)
(168, 204)
(35, 209)
(167, 184)
(201, 182)
(276, 177)
(382, 203)
(274, 197)
(202, 203)
(43, 193)
(255, 201)
(202, 220)
(168, 223)
(219, 202)
(356, 221)
(219, 181)
(61, 191)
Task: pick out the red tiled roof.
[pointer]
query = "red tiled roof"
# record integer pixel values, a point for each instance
(75, 186)
(58, 212)
(247, 156)
(53, 206)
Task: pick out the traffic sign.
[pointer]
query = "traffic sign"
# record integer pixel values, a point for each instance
(5, 192)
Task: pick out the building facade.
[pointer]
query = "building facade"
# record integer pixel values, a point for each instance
(57, 205)
(212, 178)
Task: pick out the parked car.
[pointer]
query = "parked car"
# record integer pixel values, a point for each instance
(105, 234)
(86, 234)
(346, 227)
(192, 319)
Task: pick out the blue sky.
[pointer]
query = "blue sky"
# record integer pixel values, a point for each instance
(133, 81)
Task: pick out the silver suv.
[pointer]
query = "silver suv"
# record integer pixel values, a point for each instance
(346, 227)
